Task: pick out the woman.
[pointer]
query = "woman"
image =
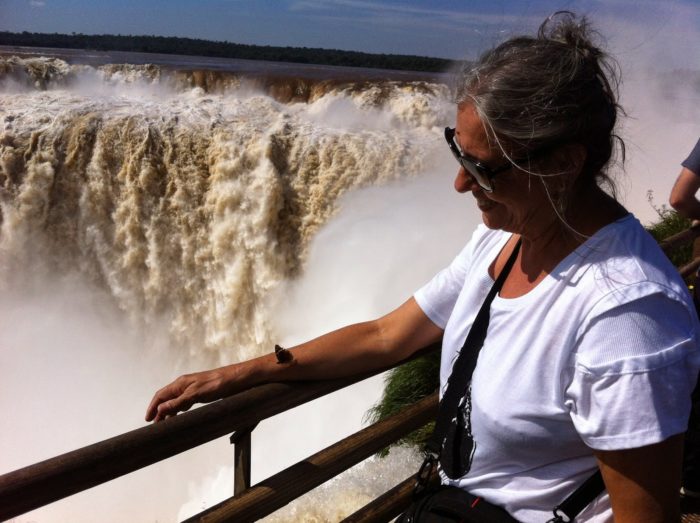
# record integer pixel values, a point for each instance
(591, 351)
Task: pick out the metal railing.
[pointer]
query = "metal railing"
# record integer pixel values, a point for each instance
(51, 480)
(678, 240)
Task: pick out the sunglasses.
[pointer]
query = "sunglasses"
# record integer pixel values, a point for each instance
(482, 174)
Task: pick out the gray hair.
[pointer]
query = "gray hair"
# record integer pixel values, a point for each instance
(535, 93)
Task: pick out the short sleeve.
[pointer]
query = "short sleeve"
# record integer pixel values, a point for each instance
(692, 162)
(634, 371)
(437, 298)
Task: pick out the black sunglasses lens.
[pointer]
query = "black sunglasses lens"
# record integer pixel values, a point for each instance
(481, 178)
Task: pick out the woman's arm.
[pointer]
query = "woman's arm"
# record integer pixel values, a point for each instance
(644, 483)
(349, 351)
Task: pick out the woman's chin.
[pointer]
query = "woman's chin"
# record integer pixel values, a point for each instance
(491, 218)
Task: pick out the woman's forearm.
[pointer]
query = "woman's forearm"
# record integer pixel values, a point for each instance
(348, 351)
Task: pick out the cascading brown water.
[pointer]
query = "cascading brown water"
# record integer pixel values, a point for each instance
(189, 207)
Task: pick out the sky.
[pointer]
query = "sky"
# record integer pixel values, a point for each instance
(442, 28)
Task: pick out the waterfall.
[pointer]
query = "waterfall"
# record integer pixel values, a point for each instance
(155, 221)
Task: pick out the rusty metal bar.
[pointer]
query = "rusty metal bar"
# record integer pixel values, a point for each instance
(390, 504)
(241, 441)
(278, 490)
(680, 238)
(387, 506)
(42, 483)
(689, 268)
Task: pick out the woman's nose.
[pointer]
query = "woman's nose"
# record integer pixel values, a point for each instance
(464, 182)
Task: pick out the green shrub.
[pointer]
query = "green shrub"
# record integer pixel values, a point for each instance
(668, 224)
(405, 385)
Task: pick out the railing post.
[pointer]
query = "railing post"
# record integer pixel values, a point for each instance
(241, 449)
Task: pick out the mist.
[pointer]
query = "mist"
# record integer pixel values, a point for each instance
(655, 45)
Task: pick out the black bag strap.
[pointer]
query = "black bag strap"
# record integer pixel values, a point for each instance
(457, 384)
(572, 506)
(463, 368)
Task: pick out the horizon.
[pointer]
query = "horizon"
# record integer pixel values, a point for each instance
(205, 40)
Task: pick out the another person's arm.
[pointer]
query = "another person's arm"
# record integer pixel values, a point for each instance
(348, 351)
(683, 197)
(644, 483)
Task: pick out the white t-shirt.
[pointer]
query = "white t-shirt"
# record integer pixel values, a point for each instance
(602, 353)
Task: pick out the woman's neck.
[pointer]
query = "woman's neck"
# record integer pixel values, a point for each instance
(545, 246)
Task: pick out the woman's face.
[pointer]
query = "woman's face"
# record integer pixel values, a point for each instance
(518, 202)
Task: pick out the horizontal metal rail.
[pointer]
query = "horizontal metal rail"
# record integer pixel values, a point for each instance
(689, 268)
(387, 506)
(42, 483)
(278, 490)
(680, 239)
(390, 504)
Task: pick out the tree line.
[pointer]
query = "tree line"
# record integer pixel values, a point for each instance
(198, 47)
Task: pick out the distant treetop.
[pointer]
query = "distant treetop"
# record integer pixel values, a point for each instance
(197, 47)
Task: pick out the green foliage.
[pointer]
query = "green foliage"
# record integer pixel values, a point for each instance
(405, 385)
(198, 47)
(668, 224)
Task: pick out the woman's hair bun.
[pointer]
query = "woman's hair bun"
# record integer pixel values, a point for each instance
(574, 32)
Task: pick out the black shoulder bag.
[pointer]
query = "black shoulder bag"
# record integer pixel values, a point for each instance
(451, 445)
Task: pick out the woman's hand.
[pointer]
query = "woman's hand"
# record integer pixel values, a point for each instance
(200, 387)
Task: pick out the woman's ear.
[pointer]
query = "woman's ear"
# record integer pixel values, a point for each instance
(566, 162)
(574, 155)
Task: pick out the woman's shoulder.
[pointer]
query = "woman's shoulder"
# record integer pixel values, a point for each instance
(622, 262)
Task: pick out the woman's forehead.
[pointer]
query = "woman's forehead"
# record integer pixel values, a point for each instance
(470, 132)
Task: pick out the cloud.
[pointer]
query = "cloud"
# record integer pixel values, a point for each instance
(371, 8)
(650, 36)
(422, 29)
(37, 3)
(401, 19)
